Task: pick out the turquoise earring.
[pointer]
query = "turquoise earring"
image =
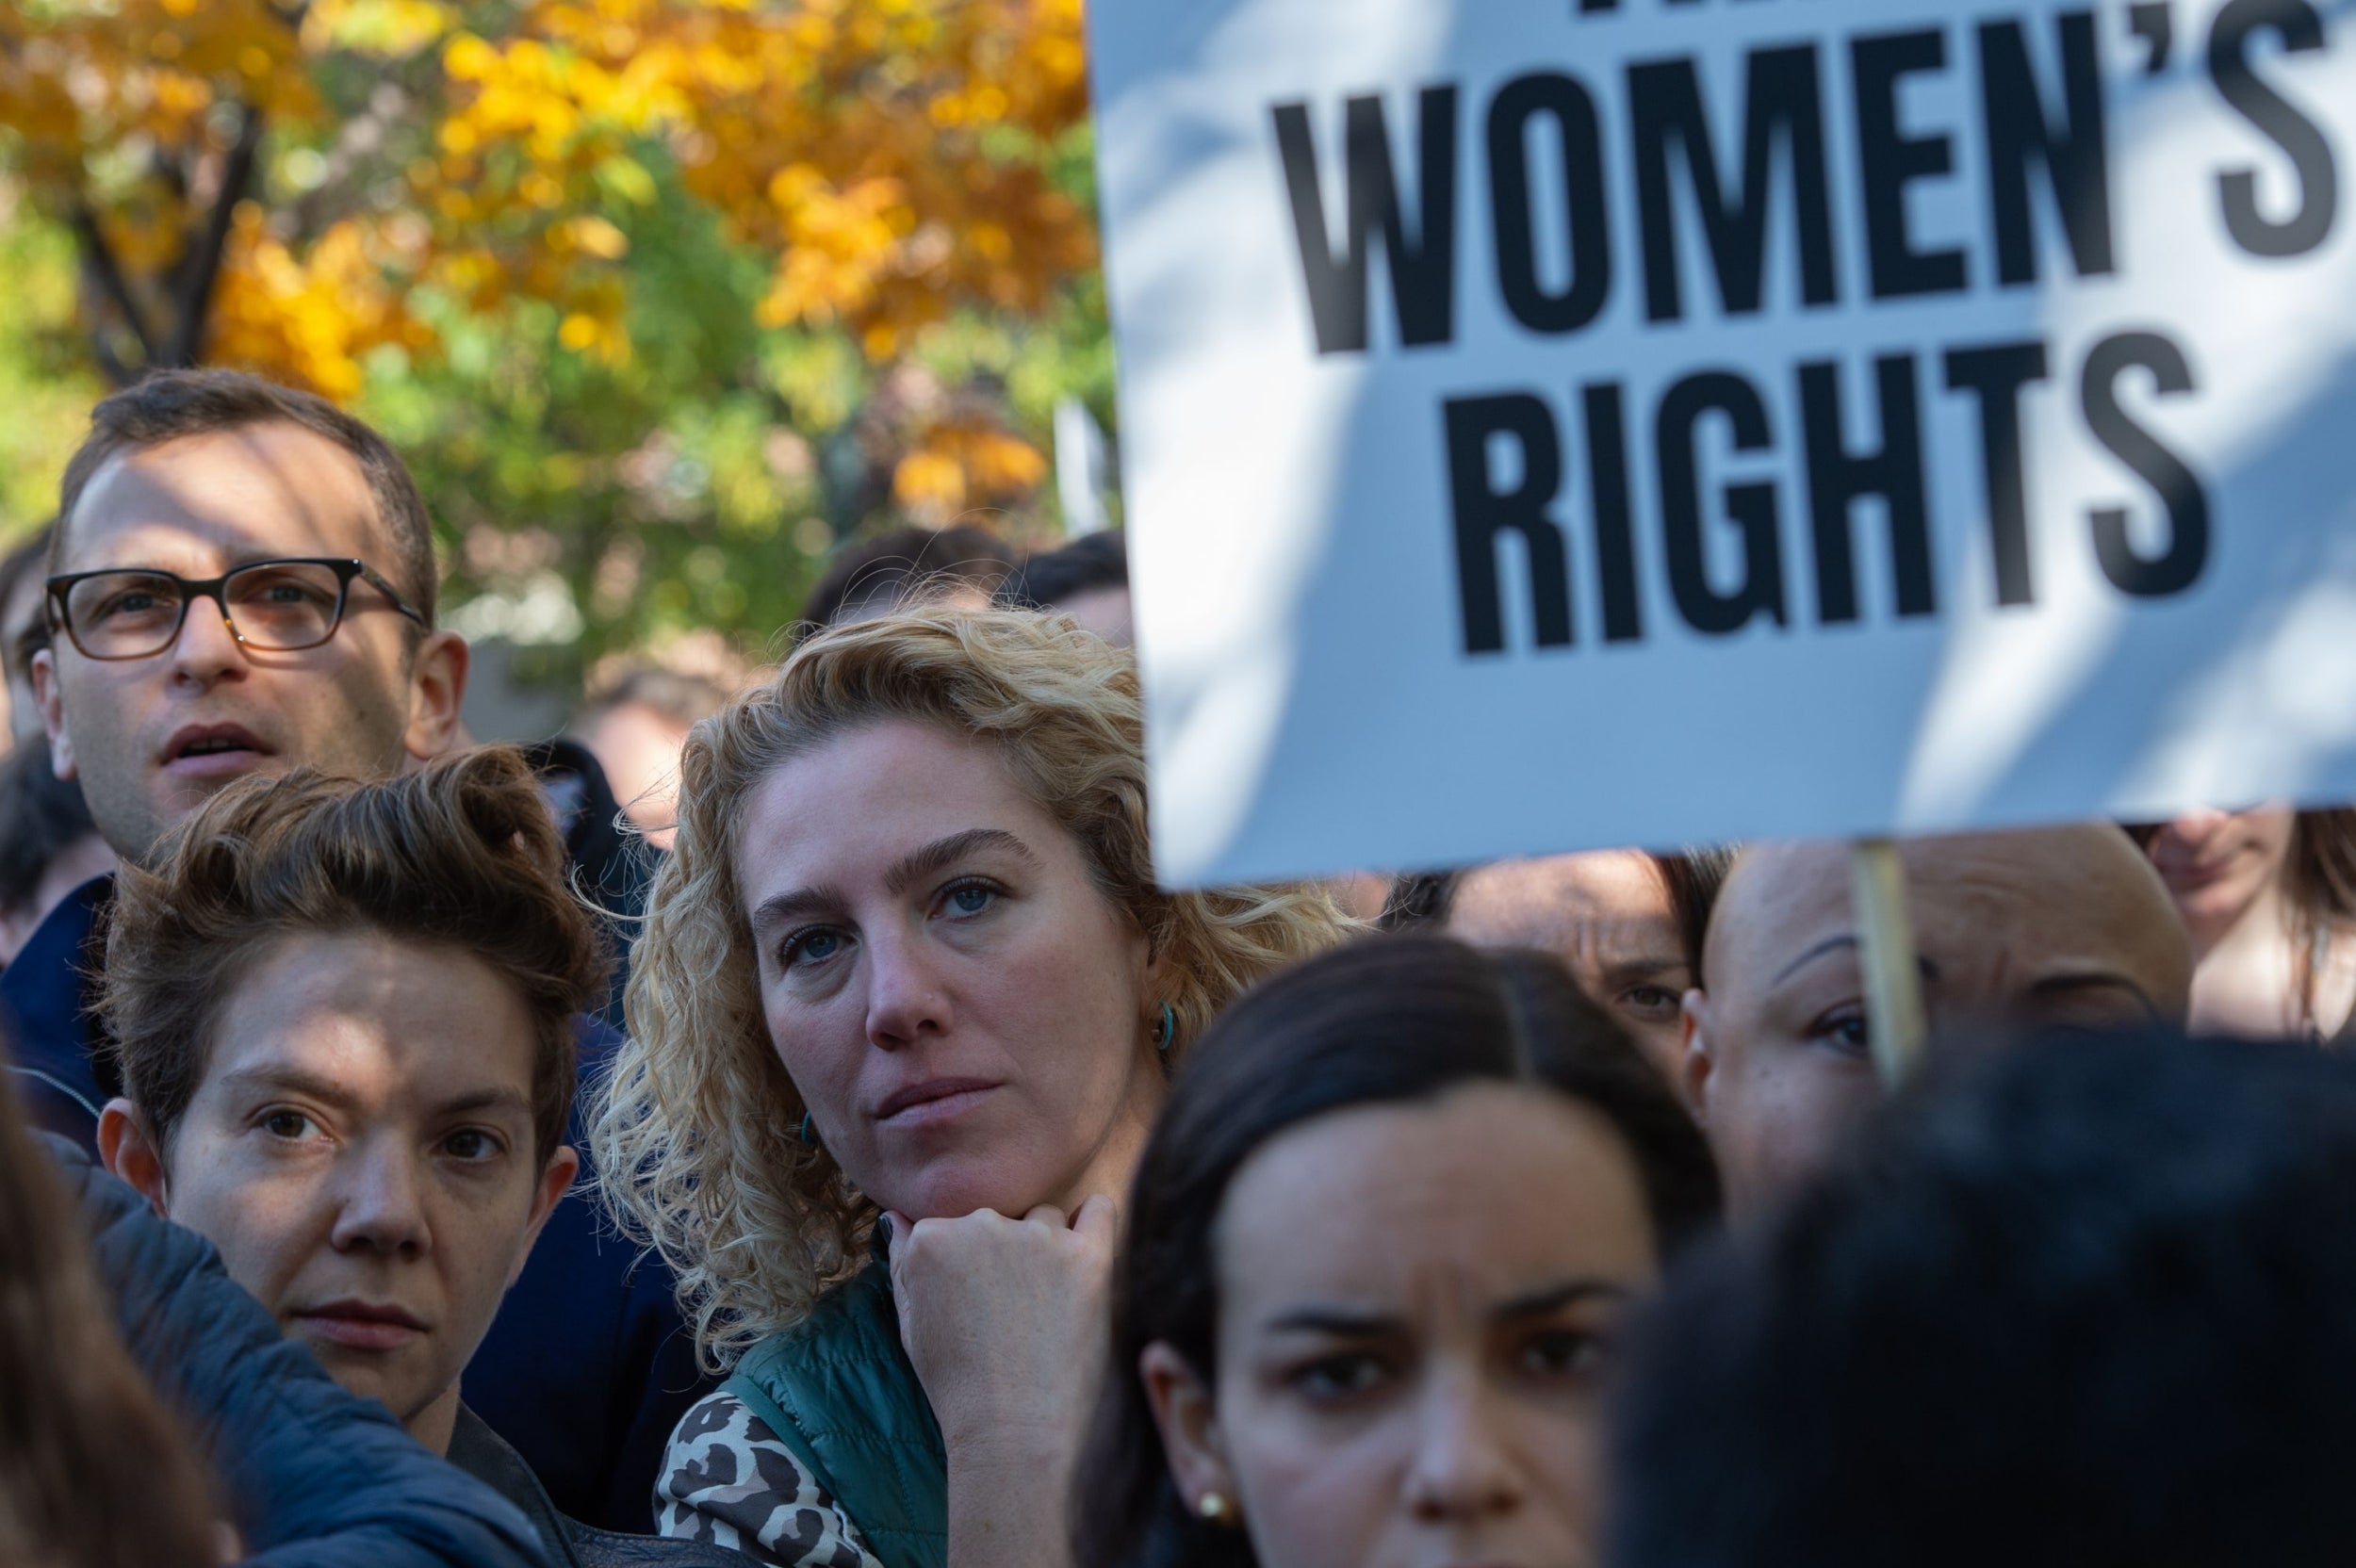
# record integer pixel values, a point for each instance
(1166, 1031)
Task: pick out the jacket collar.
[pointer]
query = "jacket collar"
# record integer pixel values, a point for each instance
(49, 994)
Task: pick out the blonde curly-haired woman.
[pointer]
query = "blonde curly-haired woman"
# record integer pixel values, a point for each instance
(900, 1018)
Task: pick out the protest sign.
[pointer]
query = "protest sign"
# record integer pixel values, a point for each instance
(1549, 424)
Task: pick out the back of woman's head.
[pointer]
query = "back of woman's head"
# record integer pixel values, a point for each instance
(92, 1474)
(1391, 1022)
(697, 1142)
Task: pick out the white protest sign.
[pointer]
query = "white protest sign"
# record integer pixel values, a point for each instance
(1558, 423)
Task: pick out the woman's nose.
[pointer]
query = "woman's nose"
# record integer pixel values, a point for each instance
(906, 999)
(1462, 1466)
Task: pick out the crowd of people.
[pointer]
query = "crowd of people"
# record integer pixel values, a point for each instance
(790, 1125)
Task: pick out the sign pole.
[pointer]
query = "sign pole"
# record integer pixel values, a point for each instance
(1893, 982)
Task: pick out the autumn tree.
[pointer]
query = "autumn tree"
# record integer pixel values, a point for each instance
(661, 296)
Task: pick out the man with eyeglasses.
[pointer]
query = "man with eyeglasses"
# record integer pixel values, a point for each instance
(242, 583)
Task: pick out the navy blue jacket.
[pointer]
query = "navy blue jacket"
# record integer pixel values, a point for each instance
(586, 1368)
(317, 1478)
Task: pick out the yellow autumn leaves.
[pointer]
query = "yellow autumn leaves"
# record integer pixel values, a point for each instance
(888, 157)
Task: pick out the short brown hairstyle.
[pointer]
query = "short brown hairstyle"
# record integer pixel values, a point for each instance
(463, 854)
(174, 403)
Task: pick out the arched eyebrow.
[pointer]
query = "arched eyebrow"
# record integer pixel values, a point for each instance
(1835, 944)
(1549, 1299)
(940, 854)
(773, 912)
(1353, 1323)
(911, 868)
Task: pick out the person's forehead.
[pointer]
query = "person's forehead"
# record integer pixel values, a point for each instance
(2033, 886)
(1542, 900)
(395, 1025)
(1778, 899)
(2010, 898)
(846, 812)
(638, 724)
(267, 489)
(1512, 1186)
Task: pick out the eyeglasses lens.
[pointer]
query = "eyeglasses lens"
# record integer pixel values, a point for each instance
(274, 605)
(285, 605)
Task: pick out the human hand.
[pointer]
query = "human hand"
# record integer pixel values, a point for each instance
(1004, 1321)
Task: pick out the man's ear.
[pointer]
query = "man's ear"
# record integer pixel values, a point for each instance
(437, 691)
(556, 1180)
(1693, 1076)
(50, 699)
(1190, 1437)
(127, 1146)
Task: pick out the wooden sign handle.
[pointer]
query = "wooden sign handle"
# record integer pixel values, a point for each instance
(1893, 979)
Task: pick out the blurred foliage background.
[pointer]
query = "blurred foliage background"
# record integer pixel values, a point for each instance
(662, 299)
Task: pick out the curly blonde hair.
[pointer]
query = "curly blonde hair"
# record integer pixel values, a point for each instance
(695, 1138)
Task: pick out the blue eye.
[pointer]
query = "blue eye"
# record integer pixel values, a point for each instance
(812, 946)
(971, 898)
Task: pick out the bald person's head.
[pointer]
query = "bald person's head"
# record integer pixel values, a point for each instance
(2054, 927)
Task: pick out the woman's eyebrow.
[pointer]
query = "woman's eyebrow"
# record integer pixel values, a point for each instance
(1839, 943)
(775, 912)
(1548, 1299)
(938, 854)
(1338, 1322)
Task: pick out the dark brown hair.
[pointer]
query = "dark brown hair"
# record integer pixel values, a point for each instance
(463, 854)
(1695, 877)
(2321, 885)
(175, 403)
(92, 1472)
(896, 568)
(1397, 1019)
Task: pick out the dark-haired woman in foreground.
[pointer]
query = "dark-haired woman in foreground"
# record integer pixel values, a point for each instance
(1380, 1241)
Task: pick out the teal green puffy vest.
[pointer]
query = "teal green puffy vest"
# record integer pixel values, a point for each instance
(838, 1390)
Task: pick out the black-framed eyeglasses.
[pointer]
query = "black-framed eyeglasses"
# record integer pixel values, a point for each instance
(270, 606)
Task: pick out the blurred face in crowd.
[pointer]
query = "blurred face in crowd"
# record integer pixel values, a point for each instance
(2055, 927)
(151, 739)
(1415, 1313)
(965, 1015)
(360, 1148)
(1607, 916)
(1105, 612)
(23, 633)
(639, 750)
(2218, 865)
